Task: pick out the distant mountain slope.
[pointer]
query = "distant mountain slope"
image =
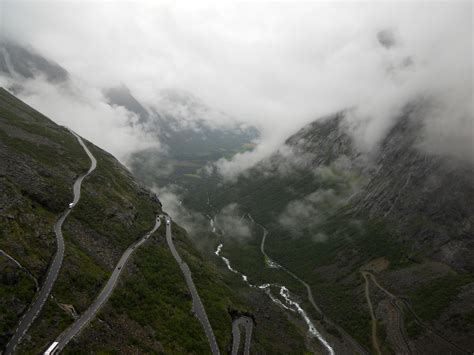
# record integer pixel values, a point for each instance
(121, 96)
(149, 311)
(190, 133)
(184, 125)
(17, 61)
(331, 212)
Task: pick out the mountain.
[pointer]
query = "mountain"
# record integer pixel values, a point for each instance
(149, 309)
(121, 96)
(192, 129)
(394, 228)
(191, 135)
(23, 62)
(186, 126)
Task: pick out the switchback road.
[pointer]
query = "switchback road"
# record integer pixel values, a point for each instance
(375, 340)
(248, 324)
(53, 271)
(397, 302)
(90, 313)
(198, 307)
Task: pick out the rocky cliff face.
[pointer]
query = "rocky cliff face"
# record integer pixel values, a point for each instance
(427, 197)
(400, 212)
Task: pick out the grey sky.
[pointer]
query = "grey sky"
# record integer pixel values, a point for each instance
(275, 65)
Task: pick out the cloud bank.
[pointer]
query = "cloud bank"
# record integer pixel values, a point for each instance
(276, 65)
(84, 110)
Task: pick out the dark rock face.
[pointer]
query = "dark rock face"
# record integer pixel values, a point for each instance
(410, 213)
(428, 198)
(323, 141)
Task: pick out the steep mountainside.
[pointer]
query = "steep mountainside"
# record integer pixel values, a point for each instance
(149, 310)
(399, 222)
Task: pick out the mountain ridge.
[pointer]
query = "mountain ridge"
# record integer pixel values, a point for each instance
(333, 211)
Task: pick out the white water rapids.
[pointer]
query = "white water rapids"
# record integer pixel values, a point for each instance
(289, 304)
(212, 223)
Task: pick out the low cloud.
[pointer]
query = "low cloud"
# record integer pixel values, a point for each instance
(319, 237)
(171, 199)
(189, 111)
(309, 211)
(338, 183)
(85, 111)
(386, 38)
(231, 222)
(275, 65)
(230, 169)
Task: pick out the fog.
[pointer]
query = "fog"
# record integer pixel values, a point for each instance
(84, 110)
(275, 65)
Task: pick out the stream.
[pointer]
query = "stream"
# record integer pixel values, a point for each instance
(288, 304)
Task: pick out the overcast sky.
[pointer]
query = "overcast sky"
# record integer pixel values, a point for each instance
(277, 65)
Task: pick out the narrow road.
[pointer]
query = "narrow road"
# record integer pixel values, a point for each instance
(396, 301)
(198, 307)
(78, 183)
(248, 325)
(53, 271)
(74, 329)
(401, 325)
(375, 341)
(347, 338)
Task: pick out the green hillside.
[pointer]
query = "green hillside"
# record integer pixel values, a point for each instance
(149, 311)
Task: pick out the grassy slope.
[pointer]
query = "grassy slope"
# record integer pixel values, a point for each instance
(149, 311)
(113, 212)
(29, 147)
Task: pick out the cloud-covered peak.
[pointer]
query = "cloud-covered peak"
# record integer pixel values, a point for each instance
(273, 65)
(18, 61)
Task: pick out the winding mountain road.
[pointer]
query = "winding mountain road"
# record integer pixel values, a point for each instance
(53, 271)
(396, 302)
(393, 301)
(248, 324)
(375, 341)
(198, 307)
(75, 328)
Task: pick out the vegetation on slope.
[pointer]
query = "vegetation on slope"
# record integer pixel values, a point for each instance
(150, 309)
(113, 212)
